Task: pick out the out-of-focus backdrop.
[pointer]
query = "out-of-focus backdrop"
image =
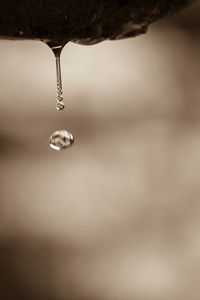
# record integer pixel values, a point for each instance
(117, 216)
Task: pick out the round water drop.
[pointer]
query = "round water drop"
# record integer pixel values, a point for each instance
(60, 105)
(61, 139)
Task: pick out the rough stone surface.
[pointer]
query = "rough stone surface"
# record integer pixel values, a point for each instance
(82, 21)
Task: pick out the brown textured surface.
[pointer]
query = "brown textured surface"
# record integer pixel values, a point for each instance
(86, 22)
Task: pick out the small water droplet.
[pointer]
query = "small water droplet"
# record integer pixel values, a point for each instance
(61, 139)
(60, 105)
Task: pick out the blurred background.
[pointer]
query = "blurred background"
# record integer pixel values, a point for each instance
(115, 217)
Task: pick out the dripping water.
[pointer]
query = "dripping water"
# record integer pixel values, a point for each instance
(57, 52)
(60, 139)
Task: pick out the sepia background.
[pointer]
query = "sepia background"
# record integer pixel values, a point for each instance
(115, 217)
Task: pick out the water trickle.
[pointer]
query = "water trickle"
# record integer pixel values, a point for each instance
(60, 139)
(57, 52)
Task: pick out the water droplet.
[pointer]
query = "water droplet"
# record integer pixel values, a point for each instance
(61, 139)
(60, 105)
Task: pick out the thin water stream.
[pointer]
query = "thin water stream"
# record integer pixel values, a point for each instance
(60, 139)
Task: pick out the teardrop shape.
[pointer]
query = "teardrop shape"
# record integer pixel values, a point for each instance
(61, 139)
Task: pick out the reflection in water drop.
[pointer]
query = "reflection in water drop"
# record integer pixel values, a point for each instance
(61, 139)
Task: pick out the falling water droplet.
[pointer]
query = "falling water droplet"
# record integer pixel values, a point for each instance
(61, 139)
